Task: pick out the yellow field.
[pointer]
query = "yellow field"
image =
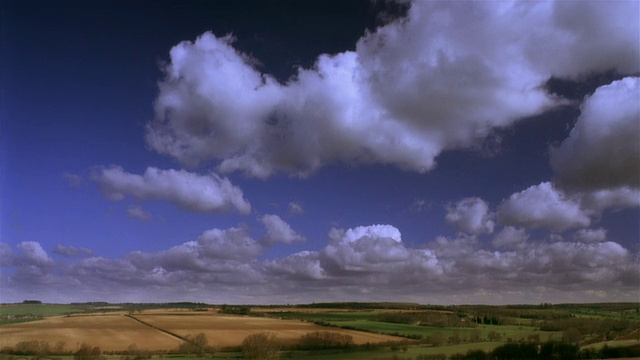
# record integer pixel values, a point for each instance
(109, 332)
(226, 331)
(116, 331)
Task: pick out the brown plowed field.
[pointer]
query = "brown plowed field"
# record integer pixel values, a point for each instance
(225, 331)
(109, 332)
(116, 331)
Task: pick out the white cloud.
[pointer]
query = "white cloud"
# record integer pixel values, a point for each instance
(232, 243)
(599, 200)
(295, 208)
(590, 236)
(510, 238)
(279, 231)
(6, 254)
(470, 215)
(73, 180)
(223, 265)
(410, 90)
(72, 251)
(201, 193)
(33, 253)
(542, 206)
(602, 151)
(376, 249)
(302, 265)
(136, 212)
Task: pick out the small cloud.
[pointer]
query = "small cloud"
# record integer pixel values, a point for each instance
(295, 208)
(137, 212)
(418, 205)
(471, 216)
(73, 180)
(72, 251)
(279, 231)
(190, 191)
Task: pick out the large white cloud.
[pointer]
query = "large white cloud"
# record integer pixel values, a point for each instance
(603, 150)
(201, 193)
(410, 90)
(542, 206)
(376, 249)
(470, 215)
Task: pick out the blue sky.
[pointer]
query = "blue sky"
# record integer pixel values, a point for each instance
(290, 152)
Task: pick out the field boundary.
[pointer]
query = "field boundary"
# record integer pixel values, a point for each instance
(157, 328)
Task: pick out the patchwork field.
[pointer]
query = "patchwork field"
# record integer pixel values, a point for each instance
(115, 331)
(110, 332)
(227, 331)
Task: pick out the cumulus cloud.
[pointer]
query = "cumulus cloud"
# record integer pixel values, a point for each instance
(590, 236)
(542, 206)
(278, 231)
(602, 151)
(410, 90)
(72, 251)
(470, 215)
(136, 212)
(303, 265)
(200, 193)
(510, 238)
(32, 253)
(378, 250)
(224, 265)
(615, 199)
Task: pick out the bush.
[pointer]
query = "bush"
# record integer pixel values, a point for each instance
(325, 340)
(261, 346)
(197, 345)
(86, 352)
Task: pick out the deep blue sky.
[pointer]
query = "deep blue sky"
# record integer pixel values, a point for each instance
(437, 152)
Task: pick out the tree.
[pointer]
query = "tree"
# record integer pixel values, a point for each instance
(196, 345)
(261, 346)
(571, 335)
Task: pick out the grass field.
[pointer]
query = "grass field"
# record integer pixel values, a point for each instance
(506, 332)
(40, 309)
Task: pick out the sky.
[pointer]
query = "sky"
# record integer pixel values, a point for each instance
(282, 152)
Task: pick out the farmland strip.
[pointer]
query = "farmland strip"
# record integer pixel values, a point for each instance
(157, 328)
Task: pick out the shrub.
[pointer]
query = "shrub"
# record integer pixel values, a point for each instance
(194, 344)
(261, 346)
(325, 340)
(86, 352)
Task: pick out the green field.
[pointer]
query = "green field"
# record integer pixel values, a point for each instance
(40, 309)
(505, 332)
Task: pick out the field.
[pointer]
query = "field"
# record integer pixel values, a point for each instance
(229, 331)
(117, 332)
(379, 331)
(109, 332)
